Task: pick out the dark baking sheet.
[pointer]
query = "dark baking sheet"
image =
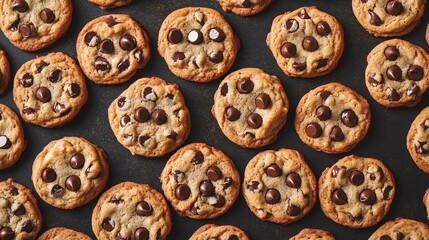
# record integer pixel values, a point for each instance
(385, 139)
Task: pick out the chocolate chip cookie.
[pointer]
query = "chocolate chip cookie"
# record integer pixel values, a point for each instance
(313, 234)
(33, 25)
(108, 4)
(426, 202)
(244, 7)
(401, 228)
(250, 107)
(212, 231)
(306, 42)
(197, 44)
(150, 118)
(388, 18)
(70, 172)
(4, 72)
(200, 181)
(12, 142)
(60, 233)
(397, 73)
(131, 211)
(418, 140)
(279, 186)
(332, 118)
(20, 217)
(111, 49)
(50, 90)
(356, 192)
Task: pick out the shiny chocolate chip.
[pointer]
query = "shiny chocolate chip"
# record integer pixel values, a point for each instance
(288, 50)
(272, 196)
(374, 18)
(142, 139)
(26, 30)
(14, 26)
(323, 28)
(385, 237)
(224, 89)
(13, 191)
(394, 7)
(141, 115)
(323, 113)
(43, 94)
(356, 177)
(73, 183)
(102, 65)
(18, 211)
(321, 63)
(310, 44)
(291, 25)
(5, 142)
(349, 118)
(57, 190)
(313, 130)
(299, 66)
(339, 197)
(303, 14)
(125, 120)
(172, 135)
(391, 53)
(27, 226)
(198, 158)
(324, 95)
(293, 210)
(246, 3)
(77, 161)
(220, 201)
(127, 42)
(159, 116)
(232, 114)
(178, 56)
(20, 6)
(206, 188)
(214, 173)
(110, 21)
(108, 224)
(216, 34)
(367, 197)
(375, 79)
(182, 192)
(73, 90)
(138, 55)
(394, 95)
(47, 15)
(175, 36)
(216, 57)
(336, 134)
(394, 73)
(55, 76)
(6, 233)
(41, 65)
(245, 85)
(254, 120)
(141, 234)
(143, 208)
(293, 180)
(149, 94)
(386, 192)
(106, 46)
(49, 175)
(195, 37)
(124, 65)
(252, 186)
(263, 101)
(415, 73)
(273, 170)
(91, 39)
(227, 183)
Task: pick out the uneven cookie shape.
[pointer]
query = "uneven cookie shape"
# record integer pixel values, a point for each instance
(108, 4)
(306, 42)
(397, 73)
(279, 186)
(111, 49)
(356, 192)
(215, 232)
(4, 72)
(250, 107)
(50, 90)
(33, 25)
(197, 44)
(70, 172)
(131, 211)
(426, 202)
(244, 7)
(313, 234)
(12, 142)
(20, 217)
(332, 118)
(401, 228)
(200, 181)
(150, 118)
(60, 233)
(388, 18)
(418, 140)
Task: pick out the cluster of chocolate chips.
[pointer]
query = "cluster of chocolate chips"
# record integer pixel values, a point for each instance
(5, 143)
(422, 144)
(393, 7)
(399, 236)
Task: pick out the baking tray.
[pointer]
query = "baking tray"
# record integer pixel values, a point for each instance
(385, 139)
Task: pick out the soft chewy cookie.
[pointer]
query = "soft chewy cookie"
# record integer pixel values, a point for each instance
(426, 202)
(131, 211)
(397, 73)
(418, 140)
(60, 233)
(20, 217)
(279, 186)
(356, 192)
(401, 228)
(313, 234)
(33, 25)
(111, 49)
(200, 181)
(306, 42)
(250, 107)
(4, 72)
(332, 118)
(50, 90)
(223, 232)
(150, 118)
(108, 4)
(69, 172)
(388, 18)
(197, 44)
(244, 7)
(12, 142)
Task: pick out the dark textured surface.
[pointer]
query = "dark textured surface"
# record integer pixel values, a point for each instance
(385, 140)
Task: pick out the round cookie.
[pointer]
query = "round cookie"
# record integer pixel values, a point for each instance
(197, 44)
(33, 25)
(111, 49)
(397, 73)
(279, 186)
(417, 140)
(60, 233)
(332, 118)
(223, 232)
(4, 72)
(130, 210)
(401, 228)
(49, 91)
(388, 18)
(200, 181)
(20, 217)
(12, 142)
(426, 202)
(356, 192)
(306, 42)
(70, 172)
(108, 4)
(313, 234)
(150, 118)
(250, 107)
(244, 7)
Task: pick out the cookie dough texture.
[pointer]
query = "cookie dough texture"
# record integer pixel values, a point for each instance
(70, 172)
(418, 140)
(250, 107)
(131, 210)
(111, 49)
(313, 234)
(306, 42)
(244, 7)
(150, 118)
(12, 142)
(223, 232)
(200, 181)
(4, 72)
(402, 228)
(108, 4)
(32, 25)
(60, 233)
(197, 44)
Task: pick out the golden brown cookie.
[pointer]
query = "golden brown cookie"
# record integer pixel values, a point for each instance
(313, 234)
(426, 202)
(4, 72)
(418, 140)
(12, 142)
(212, 231)
(401, 228)
(108, 4)
(60, 233)
(244, 7)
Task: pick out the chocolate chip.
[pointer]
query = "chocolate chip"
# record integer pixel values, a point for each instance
(114, 199)
(138, 55)
(245, 85)
(108, 224)
(141, 234)
(102, 65)
(148, 94)
(159, 117)
(349, 118)
(254, 120)
(224, 89)
(272, 196)
(273, 170)
(143, 208)
(28, 110)
(292, 25)
(216, 34)
(232, 114)
(77, 161)
(14, 26)
(252, 186)
(323, 113)
(49, 175)
(263, 101)
(310, 44)
(357, 218)
(394, 73)
(399, 236)
(323, 28)
(385, 237)
(415, 73)
(303, 14)
(293, 180)
(57, 190)
(73, 183)
(324, 95)
(141, 115)
(119, 237)
(288, 50)
(293, 210)
(127, 42)
(252, 135)
(27, 226)
(178, 56)
(125, 120)
(199, 17)
(299, 66)
(227, 182)
(339, 197)
(220, 201)
(195, 36)
(313, 130)
(121, 102)
(55, 76)
(91, 39)
(13, 191)
(20, 6)
(214, 173)
(123, 65)
(336, 134)
(394, 7)
(6, 233)
(25, 30)
(198, 158)
(110, 21)
(356, 177)
(43, 94)
(386, 192)
(374, 18)
(106, 46)
(142, 139)
(40, 66)
(5, 142)
(391, 53)
(367, 197)
(246, 3)
(173, 135)
(73, 90)
(375, 79)
(394, 95)
(321, 63)
(47, 15)
(175, 36)
(18, 211)
(182, 192)
(206, 188)
(216, 57)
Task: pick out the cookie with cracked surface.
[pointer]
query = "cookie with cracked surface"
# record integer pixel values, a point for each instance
(12, 142)
(49, 91)
(279, 186)
(70, 172)
(401, 228)
(111, 49)
(131, 211)
(222, 232)
(4, 72)
(150, 118)
(197, 44)
(60, 233)
(33, 25)
(332, 118)
(388, 18)
(356, 192)
(108, 4)
(306, 42)
(396, 74)
(418, 140)
(250, 107)
(426, 202)
(313, 234)
(200, 181)
(20, 217)
(244, 7)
